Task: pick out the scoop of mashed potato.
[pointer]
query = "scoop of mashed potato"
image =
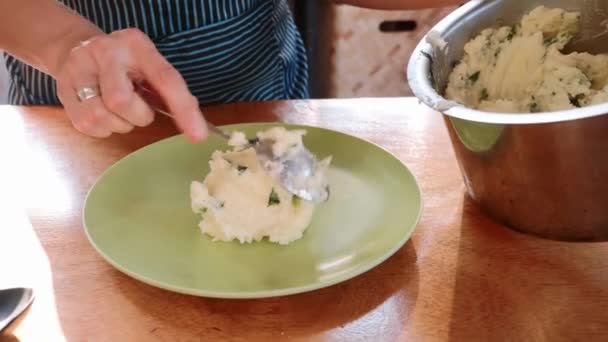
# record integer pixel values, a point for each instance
(521, 68)
(240, 200)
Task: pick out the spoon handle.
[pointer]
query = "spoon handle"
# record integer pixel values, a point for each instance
(594, 45)
(211, 126)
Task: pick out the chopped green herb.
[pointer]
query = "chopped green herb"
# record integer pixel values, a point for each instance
(295, 201)
(534, 107)
(487, 43)
(550, 41)
(241, 169)
(273, 199)
(474, 77)
(484, 94)
(512, 33)
(545, 55)
(497, 52)
(576, 99)
(202, 212)
(222, 204)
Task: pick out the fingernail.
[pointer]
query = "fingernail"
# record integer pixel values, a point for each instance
(195, 135)
(198, 131)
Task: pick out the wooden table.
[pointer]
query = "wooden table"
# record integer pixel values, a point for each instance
(460, 278)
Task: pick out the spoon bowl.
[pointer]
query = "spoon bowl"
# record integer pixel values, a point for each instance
(13, 304)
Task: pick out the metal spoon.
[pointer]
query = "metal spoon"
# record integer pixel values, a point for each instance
(595, 45)
(593, 33)
(302, 165)
(13, 302)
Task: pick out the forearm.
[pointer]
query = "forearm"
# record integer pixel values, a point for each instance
(41, 32)
(400, 4)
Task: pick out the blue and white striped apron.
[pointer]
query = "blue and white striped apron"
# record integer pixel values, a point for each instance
(226, 50)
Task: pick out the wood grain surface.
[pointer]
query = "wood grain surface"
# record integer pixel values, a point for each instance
(461, 277)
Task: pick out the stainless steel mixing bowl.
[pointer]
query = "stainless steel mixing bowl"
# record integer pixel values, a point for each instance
(541, 173)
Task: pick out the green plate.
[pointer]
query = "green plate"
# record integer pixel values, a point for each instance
(138, 217)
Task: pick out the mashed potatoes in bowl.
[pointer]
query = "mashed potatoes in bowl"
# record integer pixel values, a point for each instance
(521, 69)
(239, 200)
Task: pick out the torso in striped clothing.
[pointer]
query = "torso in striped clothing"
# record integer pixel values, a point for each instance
(227, 50)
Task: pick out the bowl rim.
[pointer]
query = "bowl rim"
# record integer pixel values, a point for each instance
(419, 78)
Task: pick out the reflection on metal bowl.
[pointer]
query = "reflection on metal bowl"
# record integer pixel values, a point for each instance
(540, 173)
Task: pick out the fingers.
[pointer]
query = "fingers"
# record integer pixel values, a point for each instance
(90, 117)
(111, 63)
(171, 87)
(119, 97)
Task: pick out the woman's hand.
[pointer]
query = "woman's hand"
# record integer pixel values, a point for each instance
(111, 64)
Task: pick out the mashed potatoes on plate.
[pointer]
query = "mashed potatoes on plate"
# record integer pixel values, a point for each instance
(240, 200)
(521, 68)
